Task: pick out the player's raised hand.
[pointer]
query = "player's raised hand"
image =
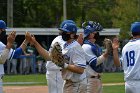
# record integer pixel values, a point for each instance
(10, 39)
(28, 36)
(33, 40)
(115, 43)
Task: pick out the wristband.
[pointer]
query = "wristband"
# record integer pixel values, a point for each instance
(100, 60)
(24, 44)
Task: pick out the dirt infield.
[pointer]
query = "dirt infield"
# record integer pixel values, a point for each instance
(25, 89)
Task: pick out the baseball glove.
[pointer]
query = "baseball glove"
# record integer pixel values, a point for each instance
(56, 55)
(108, 45)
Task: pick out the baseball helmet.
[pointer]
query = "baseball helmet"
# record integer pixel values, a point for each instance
(90, 27)
(2, 24)
(135, 27)
(69, 27)
(66, 21)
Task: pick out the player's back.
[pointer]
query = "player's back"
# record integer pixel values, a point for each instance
(131, 60)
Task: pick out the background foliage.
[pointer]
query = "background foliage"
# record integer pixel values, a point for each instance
(49, 13)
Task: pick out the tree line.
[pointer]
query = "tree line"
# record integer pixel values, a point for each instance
(49, 13)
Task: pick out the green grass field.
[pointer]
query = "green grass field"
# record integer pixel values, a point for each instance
(37, 79)
(112, 77)
(40, 79)
(114, 89)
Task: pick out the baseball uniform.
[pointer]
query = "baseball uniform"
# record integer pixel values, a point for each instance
(11, 54)
(75, 83)
(130, 61)
(92, 55)
(94, 84)
(53, 74)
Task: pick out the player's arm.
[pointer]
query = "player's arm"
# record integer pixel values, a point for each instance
(79, 61)
(91, 58)
(116, 58)
(43, 52)
(10, 40)
(115, 45)
(75, 69)
(19, 51)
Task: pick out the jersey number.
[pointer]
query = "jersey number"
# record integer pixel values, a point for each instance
(130, 56)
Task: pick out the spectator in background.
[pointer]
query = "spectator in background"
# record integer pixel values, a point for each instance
(109, 65)
(14, 61)
(30, 59)
(23, 64)
(40, 62)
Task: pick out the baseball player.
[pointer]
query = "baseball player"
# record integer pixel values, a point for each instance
(53, 74)
(94, 57)
(73, 72)
(6, 51)
(130, 60)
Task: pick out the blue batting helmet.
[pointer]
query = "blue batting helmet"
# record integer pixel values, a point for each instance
(2, 24)
(66, 21)
(69, 27)
(135, 27)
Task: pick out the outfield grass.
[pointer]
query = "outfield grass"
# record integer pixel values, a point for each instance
(37, 79)
(25, 78)
(114, 89)
(113, 77)
(41, 80)
(106, 78)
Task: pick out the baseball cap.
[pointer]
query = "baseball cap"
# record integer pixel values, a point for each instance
(2, 24)
(69, 27)
(135, 27)
(87, 30)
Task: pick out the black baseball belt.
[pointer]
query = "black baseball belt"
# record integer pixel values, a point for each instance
(97, 77)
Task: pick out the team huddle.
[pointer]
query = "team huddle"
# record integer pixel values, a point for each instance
(79, 58)
(75, 62)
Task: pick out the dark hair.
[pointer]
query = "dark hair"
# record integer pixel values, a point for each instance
(86, 37)
(60, 32)
(75, 36)
(135, 33)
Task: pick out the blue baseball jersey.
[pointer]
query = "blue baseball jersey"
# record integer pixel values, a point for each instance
(12, 53)
(131, 60)
(91, 58)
